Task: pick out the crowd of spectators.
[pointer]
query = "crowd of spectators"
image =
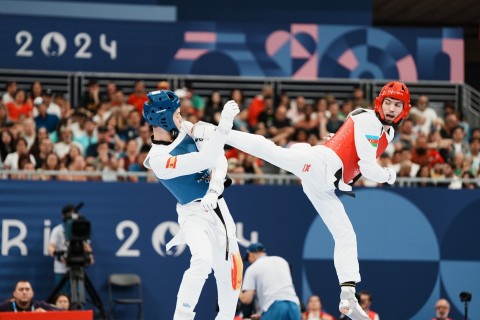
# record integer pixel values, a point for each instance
(106, 135)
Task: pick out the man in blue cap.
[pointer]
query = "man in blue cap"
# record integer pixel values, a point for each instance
(269, 278)
(195, 175)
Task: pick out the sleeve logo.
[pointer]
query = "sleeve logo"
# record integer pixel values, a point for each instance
(171, 163)
(373, 140)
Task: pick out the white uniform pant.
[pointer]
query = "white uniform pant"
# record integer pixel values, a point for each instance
(316, 167)
(204, 234)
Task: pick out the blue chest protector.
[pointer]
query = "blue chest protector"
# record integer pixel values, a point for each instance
(190, 187)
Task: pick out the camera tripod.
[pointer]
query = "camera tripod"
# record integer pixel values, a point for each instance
(79, 281)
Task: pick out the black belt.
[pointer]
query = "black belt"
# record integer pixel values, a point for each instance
(227, 183)
(338, 175)
(220, 216)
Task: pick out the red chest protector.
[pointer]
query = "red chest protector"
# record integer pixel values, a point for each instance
(343, 144)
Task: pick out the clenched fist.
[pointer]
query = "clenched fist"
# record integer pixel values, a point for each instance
(230, 110)
(392, 175)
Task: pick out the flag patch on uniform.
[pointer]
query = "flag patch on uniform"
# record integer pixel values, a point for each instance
(171, 163)
(373, 140)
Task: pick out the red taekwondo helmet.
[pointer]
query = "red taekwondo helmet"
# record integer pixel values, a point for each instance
(397, 90)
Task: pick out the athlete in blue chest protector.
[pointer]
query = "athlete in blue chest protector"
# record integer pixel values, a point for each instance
(195, 176)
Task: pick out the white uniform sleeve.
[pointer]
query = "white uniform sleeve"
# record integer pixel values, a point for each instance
(365, 128)
(166, 166)
(218, 175)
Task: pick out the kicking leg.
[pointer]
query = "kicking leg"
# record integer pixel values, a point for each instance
(290, 159)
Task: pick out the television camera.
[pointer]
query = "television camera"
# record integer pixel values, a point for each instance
(77, 232)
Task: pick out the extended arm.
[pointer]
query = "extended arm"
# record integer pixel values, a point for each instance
(168, 167)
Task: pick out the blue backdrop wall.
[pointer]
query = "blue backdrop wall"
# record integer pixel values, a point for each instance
(299, 51)
(415, 245)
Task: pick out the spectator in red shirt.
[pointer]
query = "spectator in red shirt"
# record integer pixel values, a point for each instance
(258, 105)
(139, 96)
(19, 107)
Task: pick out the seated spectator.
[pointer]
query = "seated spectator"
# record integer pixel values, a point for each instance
(345, 109)
(129, 156)
(138, 166)
(51, 163)
(41, 135)
(12, 159)
(44, 119)
(213, 108)
(131, 129)
(234, 167)
(427, 113)
(19, 107)
(10, 89)
(459, 145)
(424, 172)
(103, 135)
(110, 90)
(358, 98)
(474, 153)
(144, 138)
(451, 122)
(334, 122)
(22, 300)
(7, 144)
(454, 181)
(366, 302)
(405, 134)
(139, 96)
(241, 120)
(4, 119)
(91, 98)
(28, 169)
(36, 90)
(442, 309)
(88, 135)
(468, 184)
(310, 119)
(442, 145)
(314, 310)
(69, 158)
(62, 301)
(410, 168)
(62, 147)
(257, 105)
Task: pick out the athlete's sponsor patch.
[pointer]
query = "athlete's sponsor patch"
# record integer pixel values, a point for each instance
(372, 139)
(171, 163)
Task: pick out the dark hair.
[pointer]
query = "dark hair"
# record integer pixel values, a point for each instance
(367, 293)
(62, 294)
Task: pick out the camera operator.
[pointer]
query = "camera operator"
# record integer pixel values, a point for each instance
(58, 246)
(442, 309)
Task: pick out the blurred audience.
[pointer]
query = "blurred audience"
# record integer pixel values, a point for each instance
(425, 145)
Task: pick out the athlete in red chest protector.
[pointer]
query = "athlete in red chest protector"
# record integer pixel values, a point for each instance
(352, 151)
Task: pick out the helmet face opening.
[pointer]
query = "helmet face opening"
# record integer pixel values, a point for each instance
(396, 90)
(159, 109)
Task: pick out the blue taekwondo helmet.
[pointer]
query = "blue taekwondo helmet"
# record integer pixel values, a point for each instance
(158, 110)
